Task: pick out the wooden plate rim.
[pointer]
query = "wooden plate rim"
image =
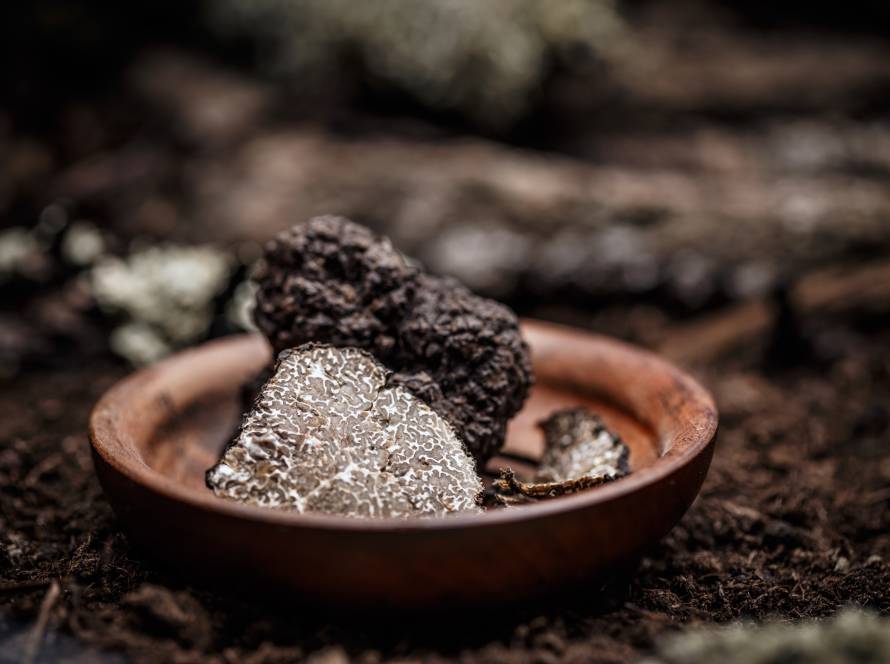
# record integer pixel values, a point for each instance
(696, 433)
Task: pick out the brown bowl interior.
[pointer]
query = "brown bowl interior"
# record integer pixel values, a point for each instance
(155, 434)
(193, 438)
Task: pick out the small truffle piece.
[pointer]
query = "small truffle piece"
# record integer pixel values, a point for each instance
(333, 281)
(578, 444)
(580, 453)
(327, 433)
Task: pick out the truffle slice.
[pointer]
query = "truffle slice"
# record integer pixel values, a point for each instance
(328, 434)
(578, 444)
(580, 453)
(333, 281)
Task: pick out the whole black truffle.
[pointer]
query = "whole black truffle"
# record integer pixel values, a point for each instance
(333, 281)
(336, 282)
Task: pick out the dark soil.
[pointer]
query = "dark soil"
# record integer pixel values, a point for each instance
(793, 522)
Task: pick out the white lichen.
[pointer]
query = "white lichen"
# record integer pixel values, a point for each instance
(486, 60)
(83, 244)
(17, 245)
(139, 343)
(166, 294)
(239, 311)
(853, 637)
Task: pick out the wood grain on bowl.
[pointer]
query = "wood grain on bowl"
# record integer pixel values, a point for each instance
(156, 432)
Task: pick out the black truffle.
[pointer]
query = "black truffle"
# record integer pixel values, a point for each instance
(333, 281)
(336, 282)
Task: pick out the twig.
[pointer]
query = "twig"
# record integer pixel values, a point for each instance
(876, 497)
(35, 639)
(508, 485)
(22, 586)
(828, 291)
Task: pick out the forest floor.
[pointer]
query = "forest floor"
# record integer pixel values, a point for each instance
(792, 522)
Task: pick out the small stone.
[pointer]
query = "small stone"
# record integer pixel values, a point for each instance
(329, 434)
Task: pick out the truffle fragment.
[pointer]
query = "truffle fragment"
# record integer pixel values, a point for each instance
(328, 434)
(580, 453)
(578, 444)
(333, 281)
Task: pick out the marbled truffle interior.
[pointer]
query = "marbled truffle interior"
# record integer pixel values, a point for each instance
(579, 445)
(328, 434)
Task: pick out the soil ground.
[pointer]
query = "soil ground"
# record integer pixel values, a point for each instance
(792, 522)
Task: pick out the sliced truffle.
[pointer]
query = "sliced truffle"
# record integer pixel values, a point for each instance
(578, 444)
(580, 453)
(333, 281)
(328, 434)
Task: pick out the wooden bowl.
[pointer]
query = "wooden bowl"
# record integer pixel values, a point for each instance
(156, 432)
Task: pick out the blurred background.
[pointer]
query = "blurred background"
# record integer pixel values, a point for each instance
(565, 157)
(707, 178)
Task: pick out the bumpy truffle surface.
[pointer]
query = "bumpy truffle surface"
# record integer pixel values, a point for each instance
(333, 281)
(327, 434)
